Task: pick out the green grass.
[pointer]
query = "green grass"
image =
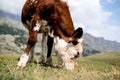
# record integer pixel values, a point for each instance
(104, 66)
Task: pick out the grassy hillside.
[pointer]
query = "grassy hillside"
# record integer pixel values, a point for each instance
(104, 66)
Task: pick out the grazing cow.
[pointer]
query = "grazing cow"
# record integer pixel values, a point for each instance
(51, 18)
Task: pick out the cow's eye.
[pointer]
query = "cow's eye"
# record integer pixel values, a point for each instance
(74, 42)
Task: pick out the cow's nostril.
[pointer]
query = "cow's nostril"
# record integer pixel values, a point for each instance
(78, 53)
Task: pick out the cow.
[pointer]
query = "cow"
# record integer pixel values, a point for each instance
(51, 18)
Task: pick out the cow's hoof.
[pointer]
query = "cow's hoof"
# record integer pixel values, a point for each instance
(41, 63)
(19, 67)
(42, 60)
(22, 62)
(49, 62)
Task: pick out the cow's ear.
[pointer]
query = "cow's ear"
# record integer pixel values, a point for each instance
(77, 33)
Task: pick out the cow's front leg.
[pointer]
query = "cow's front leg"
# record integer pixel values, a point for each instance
(31, 42)
(31, 54)
(49, 46)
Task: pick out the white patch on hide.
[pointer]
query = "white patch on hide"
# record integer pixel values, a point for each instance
(60, 45)
(51, 34)
(79, 46)
(63, 53)
(23, 60)
(81, 40)
(65, 1)
(71, 51)
(37, 27)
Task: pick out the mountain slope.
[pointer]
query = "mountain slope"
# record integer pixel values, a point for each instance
(9, 15)
(12, 39)
(99, 43)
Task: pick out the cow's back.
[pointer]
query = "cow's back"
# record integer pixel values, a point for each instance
(55, 12)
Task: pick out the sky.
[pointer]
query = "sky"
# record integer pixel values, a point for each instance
(100, 18)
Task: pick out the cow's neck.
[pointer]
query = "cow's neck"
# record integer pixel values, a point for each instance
(61, 35)
(65, 38)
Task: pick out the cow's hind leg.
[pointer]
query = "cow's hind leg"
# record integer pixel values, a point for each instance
(49, 46)
(43, 46)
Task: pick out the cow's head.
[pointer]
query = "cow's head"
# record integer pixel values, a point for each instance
(70, 50)
(75, 45)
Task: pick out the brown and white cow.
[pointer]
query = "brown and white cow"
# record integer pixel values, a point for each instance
(51, 18)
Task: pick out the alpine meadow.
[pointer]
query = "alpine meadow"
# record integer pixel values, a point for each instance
(103, 66)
